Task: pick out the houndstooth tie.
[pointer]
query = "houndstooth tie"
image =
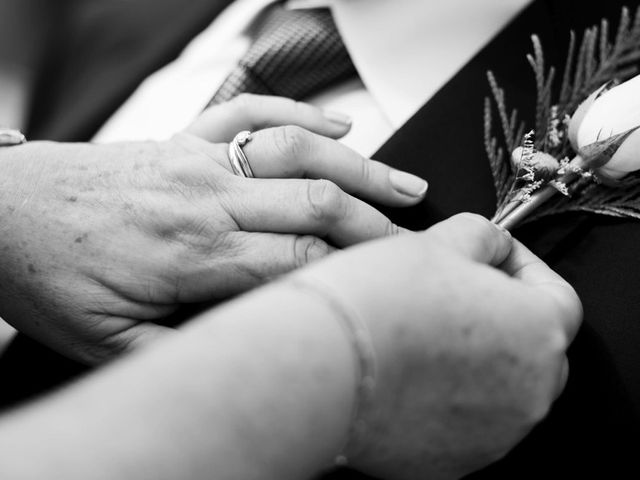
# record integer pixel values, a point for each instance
(295, 53)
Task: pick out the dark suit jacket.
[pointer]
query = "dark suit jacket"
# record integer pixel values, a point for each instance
(594, 428)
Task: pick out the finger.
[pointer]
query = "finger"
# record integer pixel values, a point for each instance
(248, 260)
(523, 265)
(292, 152)
(254, 112)
(475, 237)
(316, 207)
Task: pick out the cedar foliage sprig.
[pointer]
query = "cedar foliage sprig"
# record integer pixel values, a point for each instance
(591, 63)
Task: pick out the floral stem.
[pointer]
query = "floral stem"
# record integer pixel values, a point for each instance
(513, 216)
(506, 210)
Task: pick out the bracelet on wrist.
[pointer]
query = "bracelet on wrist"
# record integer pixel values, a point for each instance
(362, 344)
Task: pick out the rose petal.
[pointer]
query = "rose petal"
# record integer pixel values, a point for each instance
(615, 111)
(579, 114)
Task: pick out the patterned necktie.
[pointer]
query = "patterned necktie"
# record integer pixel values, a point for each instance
(295, 53)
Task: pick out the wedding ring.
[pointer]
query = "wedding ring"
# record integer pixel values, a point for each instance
(237, 158)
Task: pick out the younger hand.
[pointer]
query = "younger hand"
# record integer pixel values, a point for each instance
(470, 332)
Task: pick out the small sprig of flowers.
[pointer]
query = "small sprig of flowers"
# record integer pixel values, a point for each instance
(587, 151)
(529, 168)
(604, 134)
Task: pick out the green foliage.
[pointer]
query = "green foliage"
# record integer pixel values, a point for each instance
(591, 63)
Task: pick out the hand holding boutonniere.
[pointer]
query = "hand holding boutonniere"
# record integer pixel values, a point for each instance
(585, 147)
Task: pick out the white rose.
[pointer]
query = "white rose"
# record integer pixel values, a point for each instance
(604, 129)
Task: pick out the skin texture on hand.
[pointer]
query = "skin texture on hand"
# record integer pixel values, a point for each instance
(470, 330)
(98, 242)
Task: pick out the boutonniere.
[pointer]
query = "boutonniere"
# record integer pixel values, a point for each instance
(584, 150)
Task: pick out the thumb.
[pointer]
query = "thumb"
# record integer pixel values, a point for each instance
(474, 237)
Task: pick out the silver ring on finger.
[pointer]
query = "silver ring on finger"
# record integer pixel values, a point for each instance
(237, 158)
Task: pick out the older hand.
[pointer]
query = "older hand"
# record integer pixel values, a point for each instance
(470, 332)
(97, 242)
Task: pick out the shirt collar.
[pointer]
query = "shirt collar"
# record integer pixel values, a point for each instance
(406, 50)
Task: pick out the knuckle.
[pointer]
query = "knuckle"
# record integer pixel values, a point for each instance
(228, 196)
(550, 342)
(366, 174)
(326, 201)
(292, 141)
(190, 256)
(557, 341)
(306, 249)
(195, 164)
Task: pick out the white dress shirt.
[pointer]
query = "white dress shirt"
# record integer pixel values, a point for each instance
(403, 50)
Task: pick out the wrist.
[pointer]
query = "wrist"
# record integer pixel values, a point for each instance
(357, 333)
(370, 325)
(297, 339)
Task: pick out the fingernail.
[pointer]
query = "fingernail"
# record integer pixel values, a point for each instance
(337, 117)
(408, 184)
(316, 251)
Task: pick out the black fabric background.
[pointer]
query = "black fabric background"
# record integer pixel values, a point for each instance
(107, 48)
(593, 430)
